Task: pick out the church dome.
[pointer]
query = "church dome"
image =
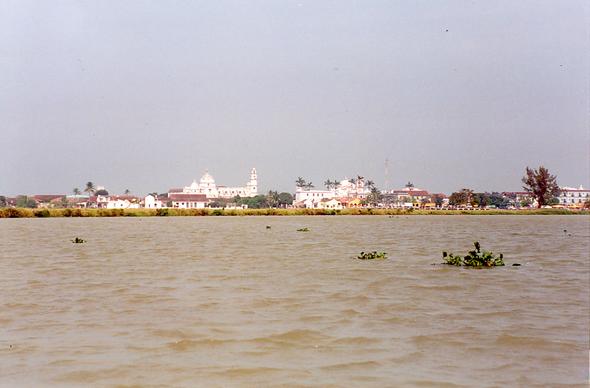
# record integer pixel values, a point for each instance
(207, 179)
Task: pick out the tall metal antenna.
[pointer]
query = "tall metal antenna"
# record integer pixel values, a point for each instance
(386, 181)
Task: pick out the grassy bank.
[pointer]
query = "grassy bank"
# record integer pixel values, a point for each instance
(42, 213)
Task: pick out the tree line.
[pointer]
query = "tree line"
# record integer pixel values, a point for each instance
(539, 183)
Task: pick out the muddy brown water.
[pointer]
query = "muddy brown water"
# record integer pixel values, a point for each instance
(224, 301)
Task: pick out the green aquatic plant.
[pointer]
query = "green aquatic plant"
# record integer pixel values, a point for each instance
(475, 258)
(303, 229)
(374, 255)
(451, 259)
(267, 226)
(78, 240)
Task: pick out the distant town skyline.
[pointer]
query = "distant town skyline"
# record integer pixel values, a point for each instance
(147, 96)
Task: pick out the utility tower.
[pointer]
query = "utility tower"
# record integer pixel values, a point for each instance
(386, 181)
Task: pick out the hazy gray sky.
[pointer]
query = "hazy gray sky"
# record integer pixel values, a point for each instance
(146, 95)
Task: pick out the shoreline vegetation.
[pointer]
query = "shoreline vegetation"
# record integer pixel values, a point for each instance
(170, 212)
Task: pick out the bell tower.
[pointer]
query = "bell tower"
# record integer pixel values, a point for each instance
(252, 184)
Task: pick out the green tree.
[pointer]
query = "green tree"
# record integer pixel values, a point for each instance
(285, 199)
(498, 200)
(541, 184)
(216, 204)
(2, 201)
(331, 184)
(127, 191)
(300, 182)
(375, 197)
(272, 198)
(481, 199)
(409, 185)
(24, 201)
(309, 186)
(76, 191)
(90, 189)
(526, 203)
(463, 197)
(257, 202)
(438, 199)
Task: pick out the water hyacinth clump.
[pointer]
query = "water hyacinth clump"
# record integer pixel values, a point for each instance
(78, 240)
(374, 255)
(303, 230)
(475, 258)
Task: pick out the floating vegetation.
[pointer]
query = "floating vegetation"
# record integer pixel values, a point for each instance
(475, 258)
(303, 230)
(374, 255)
(78, 240)
(516, 265)
(267, 226)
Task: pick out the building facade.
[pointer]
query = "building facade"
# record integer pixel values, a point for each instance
(572, 197)
(188, 201)
(346, 188)
(210, 189)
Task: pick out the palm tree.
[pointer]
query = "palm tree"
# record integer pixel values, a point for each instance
(336, 184)
(409, 185)
(76, 191)
(370, 184)
(300, 182)
(90, 189)
(127, 191)
(272, 198)
(329, 184)
(309, 185)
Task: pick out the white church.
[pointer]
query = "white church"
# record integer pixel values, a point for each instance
(207, 186)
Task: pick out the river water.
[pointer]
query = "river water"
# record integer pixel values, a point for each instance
(224, 301)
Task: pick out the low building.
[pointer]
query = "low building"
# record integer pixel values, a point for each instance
(408, 197)
(354, 203)
(49, 200)
(302, 195)
(151, 202)
(346, 188)
(329, 204)
(122, 202)
(573, 197)
(188, 201)
(520, 198)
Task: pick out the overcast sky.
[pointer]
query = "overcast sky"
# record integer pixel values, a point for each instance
(146, 95)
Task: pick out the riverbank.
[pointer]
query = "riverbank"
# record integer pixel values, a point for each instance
(43, 213)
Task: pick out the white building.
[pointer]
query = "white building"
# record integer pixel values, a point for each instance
(302, 195)
(570, 196)
(329, 204)
(152, 202)
(344, 189)
(188, 201)
(122, 204)
(208, 187)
